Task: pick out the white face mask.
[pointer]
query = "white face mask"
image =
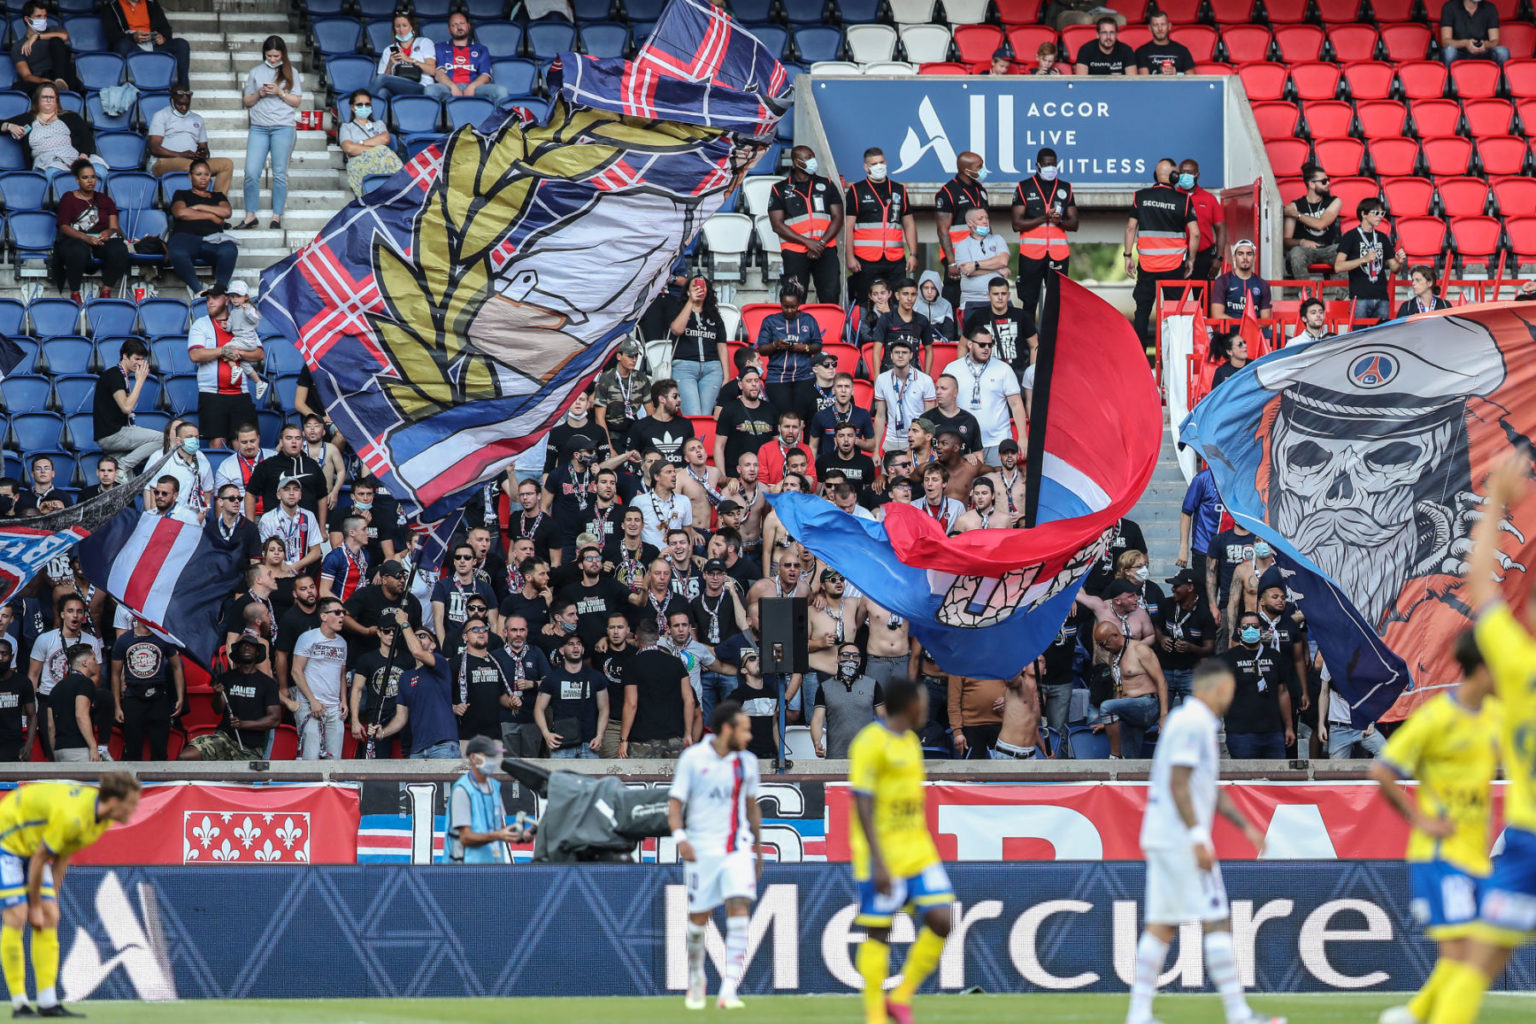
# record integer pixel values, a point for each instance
(38, 25)
(275, 64)
(1140, 575)
(1049, 173)
(876, 172)
(486, 766)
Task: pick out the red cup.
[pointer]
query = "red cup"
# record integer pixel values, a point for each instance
(138, 293)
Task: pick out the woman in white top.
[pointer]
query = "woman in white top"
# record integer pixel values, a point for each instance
(409, 62)
(365, 141)
(272, 95)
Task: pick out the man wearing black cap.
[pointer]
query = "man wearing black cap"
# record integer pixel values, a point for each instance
(572, 707)
(366, 607)
(1186, 633)
(425, 700)
(621, 396)
(570, 492)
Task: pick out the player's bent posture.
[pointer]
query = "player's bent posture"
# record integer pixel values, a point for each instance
(41, 826)
(894, 859)
(1183, 877)
(1450, 745)
(714, 793)
(1507, 912)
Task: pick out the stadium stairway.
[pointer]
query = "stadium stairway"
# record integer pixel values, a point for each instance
(1157, 513)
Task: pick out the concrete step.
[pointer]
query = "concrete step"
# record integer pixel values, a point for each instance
(232, 140)
(1157, 513)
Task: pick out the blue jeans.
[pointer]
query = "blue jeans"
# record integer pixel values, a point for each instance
(184, 250)
(1373, 309)
(1500, 54)
(697, 385)
(1343, 741)
(1181, 683)
(278, 143)
(394, 85)
(580, 752)
(1256, 746)
(448, 750)
(489, 91)
(1137, 715)
(714, 688)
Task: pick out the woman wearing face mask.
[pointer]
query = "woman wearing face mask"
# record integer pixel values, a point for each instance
(1236, 350)
(698, 348)
(198, 218)
(272, 94)
(53, 139)
(88, 230)
(408, 61)
(1132, 567)
(365, 142)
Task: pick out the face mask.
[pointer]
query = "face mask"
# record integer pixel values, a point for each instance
(363, 508)
(810, 166)
(275, 63)
(848, 667)
(876, 172)
(402, 39)
(1262, 550)
(189, 445)
(982, 231)
(567, 627)
(982, 173)
(1186, 181)
(38, 24)
(363, 111)
(1250, 634)
(1140, 575)
(1049, 173)
(485, 766)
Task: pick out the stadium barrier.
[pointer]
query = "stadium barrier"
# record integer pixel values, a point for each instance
(355, 932)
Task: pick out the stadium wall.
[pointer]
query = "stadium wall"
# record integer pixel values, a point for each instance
(353, 932)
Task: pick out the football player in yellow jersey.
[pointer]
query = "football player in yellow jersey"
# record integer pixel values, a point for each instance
(41, 826)
(1507, 912)
(894, 859)
(1450, 745)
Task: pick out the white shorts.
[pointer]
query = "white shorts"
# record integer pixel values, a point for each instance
(1178, 891)
(715, 878)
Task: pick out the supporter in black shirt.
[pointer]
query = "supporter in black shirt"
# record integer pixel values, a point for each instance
(1259, 721)
(626, 555)
(947, 415)
(366, 607)
(1161, 55)
(481, 678)
(248, 700)
(289, 461)
(666, 429)
(1228, 550)
(380, 511)
(532, 601)
(528, 519)
(148, 689)
(1186, 633)
(527, 666)
(70, 741)
(1058, 673)
(372, 688)
(759, 700)
(1284, 631)
(1106, 55)
(572, 707)
(1008, 324)
(745, 423)
(857, 468)
(18, 708)
(301, 618)
(595, 596)
(1128, 537)
(659, 704)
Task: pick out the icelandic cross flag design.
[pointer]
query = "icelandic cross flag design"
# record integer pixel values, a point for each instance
(987, 602)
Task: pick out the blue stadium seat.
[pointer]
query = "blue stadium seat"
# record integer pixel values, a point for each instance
(520, 76)
(36, 430)
(752, 10)
(32, 233)
(133, 189)
(12, 156)
(605, 39)
(99, 70)
(502, 39)
(82, 428)
(591, 10)
(181, 392)
(380, 34)
(486, 10)
(433, 30)
(86, 34)
(14, 103)
(162, 315)
(29, 393)
(86, 461)
(7, 72)
(1086, 744)
(111, 317)
(152, 71)
(287, 387)
(464, 110)
(103, 121)
(804, 12)
(535, 105)
(13, 313)
(773, 37)
(105, 350)
(349, 73)
(819, 42)
(271, 424)
(71, 8)
(643, 10)
(150, 104)
(416, 114)
(68, 353)
(376, 8)
(154, 419)
(282, 356)
(140, 222)
(549, 39)
(216, 457)
(336, 37)
(123, 151)
(380, 109)
(324, 8)
(149, 398)
(432, 9)
(72, 102)
(170, 352)
(199, 309)
(24, 190)
(373, 181)
(29, 352)
(76, 392)
(172, 183)
(52, 316)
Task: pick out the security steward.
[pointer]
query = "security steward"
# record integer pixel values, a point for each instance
(958, 196)
(806, 212)
(1044, 210)
(883, 235)
(1166, 234)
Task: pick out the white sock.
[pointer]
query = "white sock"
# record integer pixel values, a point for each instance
(695, 949)
(735, 955)
(17, 1002)
(1151, 951)
(1222, 967)
(47, 997)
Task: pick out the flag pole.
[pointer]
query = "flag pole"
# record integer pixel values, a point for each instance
(371, 751)
(1040, 401)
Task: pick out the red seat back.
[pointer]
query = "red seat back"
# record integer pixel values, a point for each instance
(1329, 119)
(1519, 38)
(752, 316)
(704, 428)
(1422, 238)
(1408, 196)
(1434, 119)
(943, 67)
(1381, 119)
(1502, 155)
(829, 317)
(1353, 42)
(1352, 190)
(1285, 12)
(1299, 42)
(1520, 76)
(1277, 119)
(1514, 195)
(1315, 80)
(1233, 12)
(1394, 157)
(1213, 67)
(1340, 157)
(1265, 81)
(1245, 43)
(1392, 10)
(1422, 79)
(1025, 40)
(1475, 79)
(1488, 117)
(1019, 12)
(979, 42)
(1287, 155)
(1522, 236)
(1405, 41)
(1463, 196)
(1201, 39)
(1447, 156)
(1369, 79)
(1477, 238)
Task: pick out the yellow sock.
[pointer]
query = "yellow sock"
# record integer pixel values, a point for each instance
(874, 963)
(14, 960)
(45, 961)
(922, 958)
(1459, 995)
(1423, 1000)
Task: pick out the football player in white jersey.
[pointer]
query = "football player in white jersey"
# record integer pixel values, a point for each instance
(1183, 877)
(712, 808)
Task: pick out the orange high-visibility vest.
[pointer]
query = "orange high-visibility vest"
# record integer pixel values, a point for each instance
(959, 198)
(800, 213)
(877, 227)
(1048, 241)
(1162, 214)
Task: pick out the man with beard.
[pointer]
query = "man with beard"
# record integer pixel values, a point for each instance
(369, 604)
(744, 423)
(666, 429)
(894, 466)
(1141, 692)
(1284, 631)
(786, 582)
(532, 521)
(660, 717)
(1243, 593)
(1120, 606)
(1008, 481)
(844, 704)
(596, 596)
(528, 667)
(843, 455)
(717, 613)
(1311, 225)
(603, 517)
(531, 601)
(726, 546)
(237, 468)
(572, 707)
(1186, 633)
(482, 680)
(249, 708)
(627, 554)
(1259, 721)
(302, 617)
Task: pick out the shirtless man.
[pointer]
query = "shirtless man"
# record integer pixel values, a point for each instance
(962, 468)
(699, 481)
(832, 622)
(983, 514)
(747, 492)
(775, 537)
(1121, 607)
(325, 453)
(1143, 694)
(786, 582)
(1008, 482)
(1019, 738)
(888, 651)
(1244, 595)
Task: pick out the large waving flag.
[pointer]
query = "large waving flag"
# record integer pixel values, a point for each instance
(450, 316)
(1361, 458)
(987, 602)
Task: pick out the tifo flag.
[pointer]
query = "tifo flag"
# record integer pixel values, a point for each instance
(1361, 457)
(434, 540)
(171, 574)
(987, 602)
(1250, 330)
(11, 356)
(450, 316)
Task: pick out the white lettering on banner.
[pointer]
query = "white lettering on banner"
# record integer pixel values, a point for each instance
(1022, 947)
(914, 148)
(420, 796)
(952, 961)
(1297, 832)
(777, 908)
(1188, 967)
(1315, 936)
(840, 936)
(139, 948)
(1245, 932)
(979, 830)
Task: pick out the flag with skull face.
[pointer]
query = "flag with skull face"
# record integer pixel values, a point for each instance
(1361, 458)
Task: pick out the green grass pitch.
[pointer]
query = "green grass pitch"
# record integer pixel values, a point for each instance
(838, 1009)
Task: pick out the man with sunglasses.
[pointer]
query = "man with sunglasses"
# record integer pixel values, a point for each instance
(1311, 225)
(596, 596)
(319, 666)
(989, 390)
(229, 522)
(376, 685)
(166, 494)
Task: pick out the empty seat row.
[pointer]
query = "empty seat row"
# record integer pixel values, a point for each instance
(1491, 155)
(1383, 119)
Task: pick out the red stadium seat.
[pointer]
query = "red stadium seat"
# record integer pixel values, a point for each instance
(828, 316)
(1502, 155)
(1408, 196)
(1353, 42)
(1213, 67)
(1299, 42)
(1393, 10)
(1315, 80)
(1201, 39)
(1232, 12)
(1287, 155)
(847, 357)
(1422, 238)
(1405, 41)
(1025, 40)
(1507, 9)
(1526, 110)
(1019, 12)
(1351, 190)
(1522, 238)
(1285, 12)
(1381, 119)
(1329, 119)
(1422, 79)
(1341, 158)
(979, 42)
(1488, 117)
(1519, 38)
(1181, 12)
(752, 316)
(1435, 119)
(1135, 35)
(704, 428)
(1339, 12)
(1075, 37)
(864, 394)
(1291, 189)
(1449, 156)
(1277, 119)
(1393, 158)
(1265, 81)
(944, 353)
(1520, 76)
(285, 744)
(1246, 43)
(1477, 239)
(1514, 195)
(943, 67)
(1369, 79)
(1475, 79)
(731, 348)
(1462, 196)
(1135, 11)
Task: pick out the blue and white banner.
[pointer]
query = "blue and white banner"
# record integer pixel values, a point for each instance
(1108, 133)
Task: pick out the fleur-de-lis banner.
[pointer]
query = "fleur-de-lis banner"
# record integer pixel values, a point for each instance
(450, 315)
